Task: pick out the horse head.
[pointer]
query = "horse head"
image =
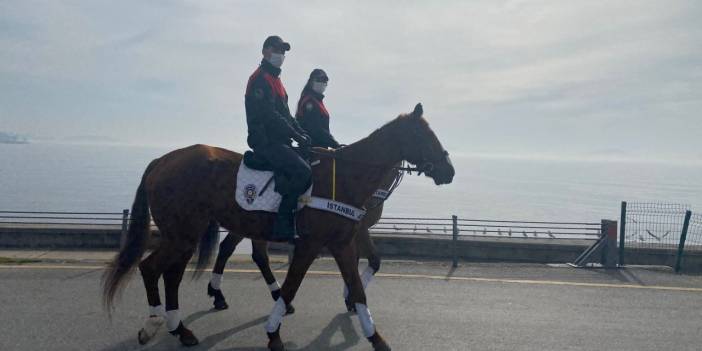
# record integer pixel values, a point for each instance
(422, 148)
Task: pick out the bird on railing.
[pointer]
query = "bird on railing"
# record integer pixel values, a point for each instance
(428, 230)
(394, 226)
(524, 233)
(510, 231)
(651, 234)
(499, 231)
(445, 230)
(551, 235)
(415, 229)
(484, 231)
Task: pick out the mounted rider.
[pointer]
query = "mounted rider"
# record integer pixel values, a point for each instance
(271, 128)
(312, 115)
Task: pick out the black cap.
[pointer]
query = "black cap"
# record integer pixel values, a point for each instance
(319, 74)
(276, 42)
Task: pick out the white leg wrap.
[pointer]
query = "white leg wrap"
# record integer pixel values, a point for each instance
(274, 286)
(157, 311)
(172, 320)
(366, 320)
(276, 315)
(216, 281)
(366, 277)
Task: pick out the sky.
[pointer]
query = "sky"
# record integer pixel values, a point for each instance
(582, 79)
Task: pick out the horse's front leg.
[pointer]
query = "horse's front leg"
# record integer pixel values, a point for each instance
(305, 254)
(226, 249)
(364, 246)
(346, 258)
(259, 254)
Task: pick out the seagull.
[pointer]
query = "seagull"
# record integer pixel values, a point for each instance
(551, 235)
(651, 234)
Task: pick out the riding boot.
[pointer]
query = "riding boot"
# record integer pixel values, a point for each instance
(284, 226)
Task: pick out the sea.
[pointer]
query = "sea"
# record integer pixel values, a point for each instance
(104, 178)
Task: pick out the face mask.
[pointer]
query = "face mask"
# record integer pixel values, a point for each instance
(319, 87)
(276, 60)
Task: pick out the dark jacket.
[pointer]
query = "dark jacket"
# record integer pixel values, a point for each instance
(313, 117)
(267, 114)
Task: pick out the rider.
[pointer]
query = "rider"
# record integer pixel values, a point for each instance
(271, 128)
(311, 112)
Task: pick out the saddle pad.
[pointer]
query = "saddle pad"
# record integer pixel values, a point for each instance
(249, 185)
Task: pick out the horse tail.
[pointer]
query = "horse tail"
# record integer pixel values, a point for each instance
(207, 244)
(134, 245)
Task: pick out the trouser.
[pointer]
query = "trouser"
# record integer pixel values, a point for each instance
(293, 173)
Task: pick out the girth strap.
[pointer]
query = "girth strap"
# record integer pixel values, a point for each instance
(333, 206)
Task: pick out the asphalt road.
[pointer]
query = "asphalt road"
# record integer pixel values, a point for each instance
(417, 306)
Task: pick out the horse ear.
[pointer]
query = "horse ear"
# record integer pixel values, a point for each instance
(418, 110)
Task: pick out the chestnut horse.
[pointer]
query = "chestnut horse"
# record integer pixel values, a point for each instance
(189, 192)
(259, 251)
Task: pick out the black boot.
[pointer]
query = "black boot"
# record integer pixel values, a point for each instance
(284, 226)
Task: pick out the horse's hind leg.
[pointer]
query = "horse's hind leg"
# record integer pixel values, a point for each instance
(172, 278)
(259, 254)
(151, 269)
(226, 249)
(346, 258)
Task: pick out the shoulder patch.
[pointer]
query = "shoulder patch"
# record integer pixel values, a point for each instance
(258, 93)
(309, 106)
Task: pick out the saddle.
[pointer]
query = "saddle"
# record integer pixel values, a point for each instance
(257, 190)
(256, 162)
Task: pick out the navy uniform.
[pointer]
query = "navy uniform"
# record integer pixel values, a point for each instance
(311, 113)
(271, 128)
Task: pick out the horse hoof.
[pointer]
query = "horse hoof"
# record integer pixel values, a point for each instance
(220, 303)
(151, 327)
(289, 309)
(143, 337)
(185, 335)
(378, 343)
(189, 339)
(276, 345)
(274, 341)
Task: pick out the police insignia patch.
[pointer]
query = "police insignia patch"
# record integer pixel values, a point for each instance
(309, 106)
(250, 193)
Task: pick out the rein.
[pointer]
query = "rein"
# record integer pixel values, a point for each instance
(393, 185)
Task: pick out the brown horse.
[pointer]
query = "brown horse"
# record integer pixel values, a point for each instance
(190, 191)
(259, 251)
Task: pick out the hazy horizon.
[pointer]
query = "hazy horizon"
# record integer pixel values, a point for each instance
(590, 80)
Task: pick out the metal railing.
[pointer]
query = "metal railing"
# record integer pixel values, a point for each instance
(483, 228)
(435, 227)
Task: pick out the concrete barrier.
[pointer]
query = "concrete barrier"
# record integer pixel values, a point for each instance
(467, 249)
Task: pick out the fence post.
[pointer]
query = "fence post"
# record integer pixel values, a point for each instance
(609, 254)
(125, 227)
(454, 218)
(683, 236)
(622, 233)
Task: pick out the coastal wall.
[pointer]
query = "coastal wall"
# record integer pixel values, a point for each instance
(493, 250)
